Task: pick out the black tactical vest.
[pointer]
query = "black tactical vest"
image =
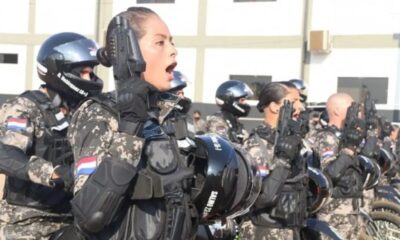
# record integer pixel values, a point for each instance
(160, 192)
(350, 184)
(54, 147)
(290, 208)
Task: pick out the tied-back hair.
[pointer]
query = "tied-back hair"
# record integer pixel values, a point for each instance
(136, 16)
(273, 92)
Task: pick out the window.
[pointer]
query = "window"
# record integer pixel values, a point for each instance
(254, 0)
(378, 87)
(255, 82)
(9, 58)
(155, 1)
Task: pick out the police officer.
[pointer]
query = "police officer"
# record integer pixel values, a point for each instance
(336, 146)
(276, 162)
(130, 178)
(34, 151)
(231, 99)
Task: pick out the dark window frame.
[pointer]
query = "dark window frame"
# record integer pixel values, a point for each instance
(377, 86)
(8, 58)
(255, 82)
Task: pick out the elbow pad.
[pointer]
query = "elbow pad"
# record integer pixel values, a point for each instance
(13, 162)
(335, 168)
(271, 187)
(98, 202)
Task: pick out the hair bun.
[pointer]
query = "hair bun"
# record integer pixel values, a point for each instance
(103, 57)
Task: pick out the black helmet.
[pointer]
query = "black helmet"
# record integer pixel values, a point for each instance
(228, 94)
(385, 160)
(226, 184)
(320, 189)
(301, 87)
(58, 60)
(178, 83)
(371, 171)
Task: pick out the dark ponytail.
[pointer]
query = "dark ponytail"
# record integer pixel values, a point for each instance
(271, 92)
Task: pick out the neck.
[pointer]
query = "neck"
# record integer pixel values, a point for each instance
(336, 122)
(271, 119)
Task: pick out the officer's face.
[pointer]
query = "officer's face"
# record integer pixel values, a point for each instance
(159, 52)
(294, 97)
(85, 73)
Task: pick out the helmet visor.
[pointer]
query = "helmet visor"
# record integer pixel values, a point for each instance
(79, 51)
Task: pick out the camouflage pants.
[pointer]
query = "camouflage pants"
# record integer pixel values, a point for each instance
(23, 223)
(40, 229)
(368, 198)
(348, 226)
(249, 231)
(341, 215)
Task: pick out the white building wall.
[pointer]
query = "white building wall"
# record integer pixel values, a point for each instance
(281, 64)
(13, 75)
(344, 17)
(355, 17)
(53, 16)
(227, 18)
(326, 69)
(181, 17)
(14, 16)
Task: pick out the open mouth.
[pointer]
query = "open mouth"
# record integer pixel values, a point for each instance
(171, 67)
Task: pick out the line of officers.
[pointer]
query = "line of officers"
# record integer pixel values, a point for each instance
(76, 168)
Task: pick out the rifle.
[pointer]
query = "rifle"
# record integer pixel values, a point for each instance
(289, 127)
(285, 122)
(352, 121)
(122, 52)
(369, 109)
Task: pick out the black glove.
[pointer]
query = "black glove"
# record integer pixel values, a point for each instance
(371, 147)
(66, 178)
(288, 147)
(352, 138)
(372, 122)
(134, 100)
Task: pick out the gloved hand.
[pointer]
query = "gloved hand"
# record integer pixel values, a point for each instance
(371, 147)
(62, 177)
(134, 99)
(372, 122)
(288, 147)
(352, 138)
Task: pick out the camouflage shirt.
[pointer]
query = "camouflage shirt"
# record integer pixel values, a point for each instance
(94, 136)
(222, 126)
(21, 123)
(261, 148)
(341, 213)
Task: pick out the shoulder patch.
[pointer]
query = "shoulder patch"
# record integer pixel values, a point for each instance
(16, 124)
(86, 165)
(328, 153)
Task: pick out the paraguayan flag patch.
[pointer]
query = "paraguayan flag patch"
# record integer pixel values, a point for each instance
(16, 124)
(86, 166)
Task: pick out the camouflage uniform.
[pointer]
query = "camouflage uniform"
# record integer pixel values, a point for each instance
(232, 130)
(338, 212)
(21, 124)
(262, 151)
(95, 137)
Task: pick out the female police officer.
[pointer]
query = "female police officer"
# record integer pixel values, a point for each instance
(121, 193)
(275, 157)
